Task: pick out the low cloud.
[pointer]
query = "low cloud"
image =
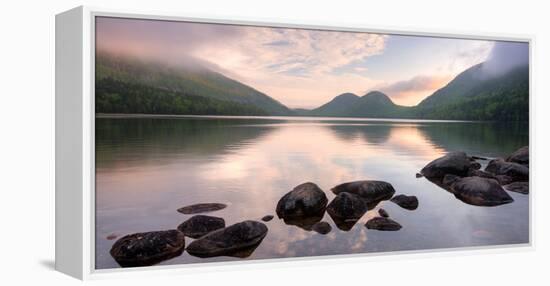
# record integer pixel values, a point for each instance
(410, 92)
(505, 56)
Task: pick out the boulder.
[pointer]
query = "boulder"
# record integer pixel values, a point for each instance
(347, 206)
(516, 171)
(520, 156)
(147, 248)
(200, 225)
(406, 202)
(475, 166)
(480, 173)
(383, 223)
(383, 213)
(503, 179)
(449, 180)
(322, 227)
(455, 163)
(201, 208)
(518, 187)
(267, 218)
(303, 201)
(233, 240)
(371, 191)
(480, 191)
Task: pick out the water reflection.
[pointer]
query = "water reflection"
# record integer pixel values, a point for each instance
(148, 168)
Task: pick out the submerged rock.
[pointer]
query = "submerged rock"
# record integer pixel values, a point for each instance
(111, 236)
(230, 241)
(516, 171)
(322, 227)
(305, 223)
(520, 156)
(518, 187)
(267, 218)
(480, 192)
(455, 163)
(370, 191)
(406, 202)
(200, 225)
(383, 213)
(201, 208)
(383, 223)
(303, 201)
(147, 248)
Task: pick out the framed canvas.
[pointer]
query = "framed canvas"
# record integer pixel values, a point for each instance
(198, 142)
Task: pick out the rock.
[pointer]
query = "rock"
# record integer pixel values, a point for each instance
(518, 187)
(267, 218)
(147, 248)
(111, 236)
(475, 165)
(322, 227)
(347, 206)
(516, 171)
(478, 158)
(480, 173)
(383, 213)
(455, 163)
(520, 156)
(201, 208)
(503, 179)
(449, 180)
(230, 241)
(305, 223)
(371, 191)
(406, 202)
(383, 223)
(303, 201)
(480, 192)
(418, 175)
(200, 225)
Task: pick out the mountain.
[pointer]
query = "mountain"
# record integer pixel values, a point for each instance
(337, 106)
(129, 85)
(476, 95)
(372, 104)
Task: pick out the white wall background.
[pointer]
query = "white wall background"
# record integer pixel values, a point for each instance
(27, 141)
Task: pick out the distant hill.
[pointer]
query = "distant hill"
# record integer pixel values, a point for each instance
(372, 104)
(472, 95)
(192, 89)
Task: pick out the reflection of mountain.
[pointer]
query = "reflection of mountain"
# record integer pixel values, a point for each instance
(482, 138)
(372, 133)
(193, 137)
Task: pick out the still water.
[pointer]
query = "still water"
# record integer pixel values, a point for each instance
(147, 168)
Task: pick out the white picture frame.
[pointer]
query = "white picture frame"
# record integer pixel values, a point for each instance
(75, 147)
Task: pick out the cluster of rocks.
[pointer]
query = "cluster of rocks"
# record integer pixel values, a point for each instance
(212, 238)
(306, 205)
(462, 176)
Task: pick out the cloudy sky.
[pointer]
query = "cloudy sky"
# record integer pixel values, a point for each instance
(300, 68)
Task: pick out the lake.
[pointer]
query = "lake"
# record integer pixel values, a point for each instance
(148, 167)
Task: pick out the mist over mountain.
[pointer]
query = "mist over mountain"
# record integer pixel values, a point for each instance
(497, 89)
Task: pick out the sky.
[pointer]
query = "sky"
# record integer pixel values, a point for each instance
(301, 68)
